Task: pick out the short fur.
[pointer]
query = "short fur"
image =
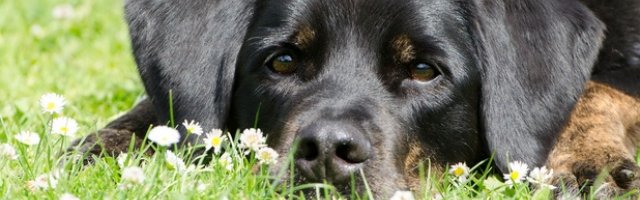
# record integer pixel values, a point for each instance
(602, 134)
(510, 73)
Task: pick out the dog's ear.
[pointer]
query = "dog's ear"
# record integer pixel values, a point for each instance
(536, 56)
(188, 49)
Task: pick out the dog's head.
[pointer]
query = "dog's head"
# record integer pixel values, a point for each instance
(377, 86)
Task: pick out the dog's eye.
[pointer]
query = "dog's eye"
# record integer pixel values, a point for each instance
(423, 72)
(283, 63)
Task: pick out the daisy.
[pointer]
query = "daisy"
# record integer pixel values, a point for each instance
(192, 127)
(226, 162)
(252, 139)
(164, 136)
(7, 151)
(541, 176)
(201, 187)
(174, 162)
(131, 176)
(52, 103)
(64, 126)
(68, 196)
(38, 32)
(44, 181)
(63, 12)
(402, 195)
(214, 140)
(437, 196)
(122, 158)
(267, 156)
(460, 171)
(517, 172)
(28, 138)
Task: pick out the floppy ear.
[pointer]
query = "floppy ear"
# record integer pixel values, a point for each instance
(536, 58)
(188, 48)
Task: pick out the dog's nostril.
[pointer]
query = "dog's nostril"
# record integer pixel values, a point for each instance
(353, 152)
(307, 150)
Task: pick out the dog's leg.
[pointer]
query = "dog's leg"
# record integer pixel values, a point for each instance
(601, 137)
(116, 137)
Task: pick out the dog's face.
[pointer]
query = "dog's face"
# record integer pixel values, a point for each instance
(378, 86)
(362, 85)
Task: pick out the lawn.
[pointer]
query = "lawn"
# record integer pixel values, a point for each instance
(80, 49)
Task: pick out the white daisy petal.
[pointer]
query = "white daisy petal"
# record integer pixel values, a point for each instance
(64, 126)
(65, 11)
(38, 32)
(44, 181)
(202, 187)
(402, 195)
(517, 172)
(437, 196)
(192, 127)
(7, 151)
(226, 162)
(541, 176)
(68, 196)
(174, 162)
(52, 103)
(122, 158)
(214, 139)
(131, 176)
(27, 137)
(460, 171)
(267, 156)
(252, 139)
(164, 136)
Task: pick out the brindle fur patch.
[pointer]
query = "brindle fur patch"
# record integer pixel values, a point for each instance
(404, 49)
(602, 134)
(417, 157)
(304, 37)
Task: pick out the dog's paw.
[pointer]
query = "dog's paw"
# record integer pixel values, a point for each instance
(597, 178)
(105, 142)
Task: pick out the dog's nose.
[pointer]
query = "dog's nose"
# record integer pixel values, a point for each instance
(331, 151)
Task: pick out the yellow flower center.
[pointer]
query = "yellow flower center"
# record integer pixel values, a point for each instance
(190, 129)
(458, 171)
(224, 162)
(51, 106)
(171, 165)
(265, 156)
(64, 129)
(215, 141)
(514, 175)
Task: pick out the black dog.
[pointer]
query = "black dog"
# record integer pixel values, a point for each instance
(377, 85)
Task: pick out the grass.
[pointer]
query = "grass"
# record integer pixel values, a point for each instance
(88, 60)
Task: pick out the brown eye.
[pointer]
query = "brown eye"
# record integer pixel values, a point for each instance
(423, 72)
(283, 64)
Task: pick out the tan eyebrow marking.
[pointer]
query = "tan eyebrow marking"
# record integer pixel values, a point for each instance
(404, 49)
(304, 37)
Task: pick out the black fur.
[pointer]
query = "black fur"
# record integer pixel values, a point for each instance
(535, 66)
(511, 71)
(188, 49)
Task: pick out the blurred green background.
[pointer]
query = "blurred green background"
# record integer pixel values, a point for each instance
(77, 48)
